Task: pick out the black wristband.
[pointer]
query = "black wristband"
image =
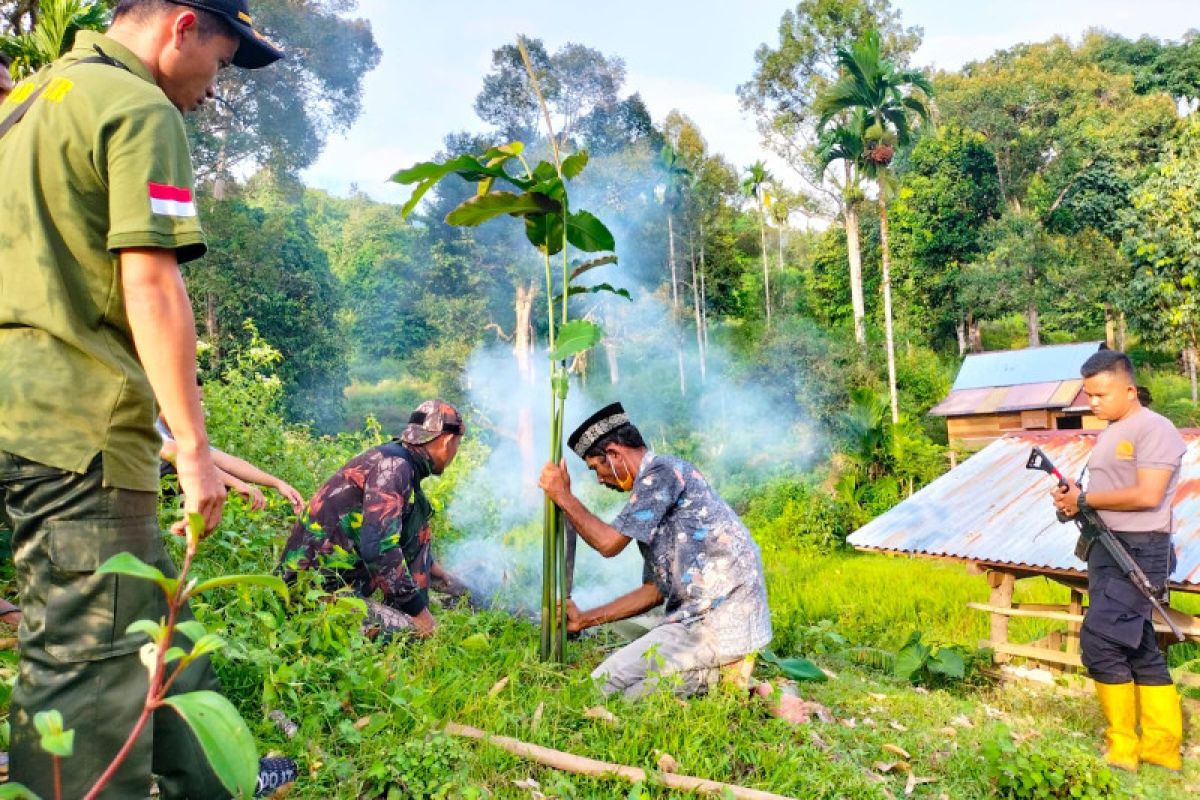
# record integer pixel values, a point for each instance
(1082, 503)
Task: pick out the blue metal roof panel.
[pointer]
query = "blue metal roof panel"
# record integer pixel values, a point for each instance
(1059, 362)
(991, 508)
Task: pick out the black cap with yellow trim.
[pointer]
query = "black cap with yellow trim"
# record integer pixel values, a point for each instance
(256, 50)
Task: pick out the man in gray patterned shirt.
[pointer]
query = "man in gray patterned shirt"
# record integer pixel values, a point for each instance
(700, 560)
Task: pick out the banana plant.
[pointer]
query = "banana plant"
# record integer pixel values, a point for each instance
(537, 195)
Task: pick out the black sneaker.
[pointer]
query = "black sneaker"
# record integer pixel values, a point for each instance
(273, 774)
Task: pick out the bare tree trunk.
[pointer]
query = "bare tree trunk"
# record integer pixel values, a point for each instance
(975, 335)
(1110, 327)
(523, 332)
(1189, 355)
(960, 330)
(762, 231)
(887, 305)
(696, 310)
(779, 239)
(523, 353)
(1031, 317)
(703, 294)
(610, 353)
(1121, 331)
(682, 371)
(854, 251)
(671, 261)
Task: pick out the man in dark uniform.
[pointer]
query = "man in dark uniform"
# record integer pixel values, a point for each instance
(96, 334)
(1132, 474)
(368, 528)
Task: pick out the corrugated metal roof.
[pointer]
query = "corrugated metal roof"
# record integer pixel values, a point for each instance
(1008, 399)
(991, 508)
(1051, 363)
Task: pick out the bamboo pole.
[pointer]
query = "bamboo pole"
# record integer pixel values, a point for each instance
(581, 765)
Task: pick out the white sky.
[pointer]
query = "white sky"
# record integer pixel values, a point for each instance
(687, 55)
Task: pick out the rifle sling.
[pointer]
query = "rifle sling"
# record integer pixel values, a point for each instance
(20, 111)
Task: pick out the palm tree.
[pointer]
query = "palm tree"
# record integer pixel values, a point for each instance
(844, 143)
(754, 185)
(874, 90)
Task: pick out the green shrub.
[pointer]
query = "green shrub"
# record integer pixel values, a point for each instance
(796, 512)
(1039, 769)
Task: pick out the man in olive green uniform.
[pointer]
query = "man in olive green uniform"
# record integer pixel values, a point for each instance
(96, 186)
(6, 81)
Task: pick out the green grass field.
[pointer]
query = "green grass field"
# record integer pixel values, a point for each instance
(369, 715)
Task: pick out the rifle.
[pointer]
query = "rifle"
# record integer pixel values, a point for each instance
(1093, 529)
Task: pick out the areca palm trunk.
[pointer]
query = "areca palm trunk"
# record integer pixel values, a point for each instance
(854, 255)
(762, 230)
(887, 305)
(696, 311)
(671, 262)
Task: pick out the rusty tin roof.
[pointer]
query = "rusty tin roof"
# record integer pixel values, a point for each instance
(991, 508)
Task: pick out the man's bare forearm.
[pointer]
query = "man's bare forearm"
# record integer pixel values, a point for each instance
(602, 537)
(241, 468)
(164, 333)
(639, 601)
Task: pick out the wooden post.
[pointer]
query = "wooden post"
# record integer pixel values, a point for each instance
(1002, 584)
(1076, 607)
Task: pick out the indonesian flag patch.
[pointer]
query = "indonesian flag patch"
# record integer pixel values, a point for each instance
(171, 201)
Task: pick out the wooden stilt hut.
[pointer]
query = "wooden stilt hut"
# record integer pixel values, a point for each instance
(996, 516)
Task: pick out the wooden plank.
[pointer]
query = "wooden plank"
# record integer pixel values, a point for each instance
(1035, 653)
(1002, 592)
(1035, 419)
(1189, 625)
(1075, 607)
(1061, 616)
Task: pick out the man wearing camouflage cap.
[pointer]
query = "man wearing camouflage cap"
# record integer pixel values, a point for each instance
(367, 527)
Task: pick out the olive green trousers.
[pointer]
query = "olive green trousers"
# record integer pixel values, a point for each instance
(75, 654)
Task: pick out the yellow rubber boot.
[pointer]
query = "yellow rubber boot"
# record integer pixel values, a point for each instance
(1118, 701)
(1162, 726)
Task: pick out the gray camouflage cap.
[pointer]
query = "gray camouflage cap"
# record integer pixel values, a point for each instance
(430, 420)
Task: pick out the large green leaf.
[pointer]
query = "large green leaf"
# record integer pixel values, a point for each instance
(545, 232)
(574, 337)
(798, 669)
(911, 659)
(129, 564)
(434, 170)
(268, 581)
(588, 233)
(223, 736)
(581, 267)
(479, 209)
(600, 287)
(949, 663)
(573, 165)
